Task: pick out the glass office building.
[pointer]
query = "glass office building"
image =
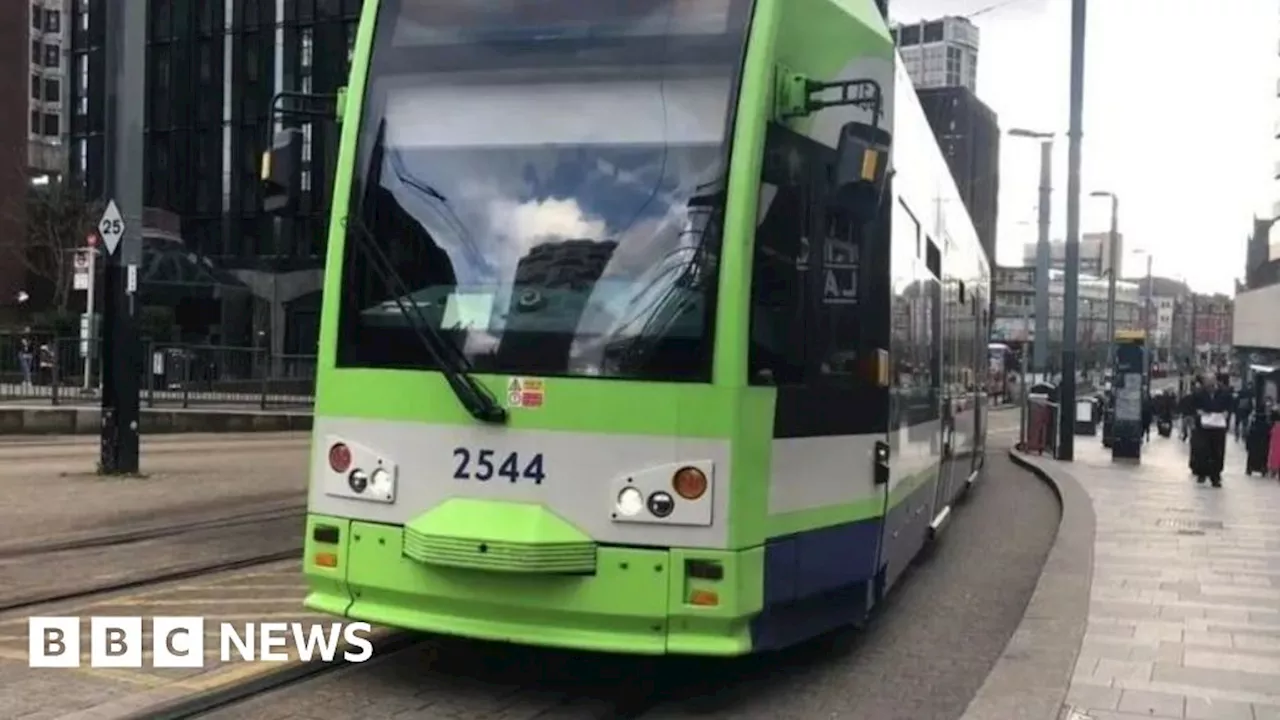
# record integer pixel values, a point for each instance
(234, 275)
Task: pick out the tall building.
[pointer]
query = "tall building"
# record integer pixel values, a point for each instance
(47, 95)
(213, 67)
(15, 69)
(939, 53)
(1095, 255)
(969, 137)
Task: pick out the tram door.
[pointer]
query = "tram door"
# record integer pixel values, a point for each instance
(950, 397)
(967, 369)
(981, 369)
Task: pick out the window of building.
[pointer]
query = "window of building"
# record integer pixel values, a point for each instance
(52, 55)
(933, 32)
(52, 125)
(53, 21)
(52, 90)
(36, 16)
(909, 35)
(35, 122)
(35, 87)
(37, 52)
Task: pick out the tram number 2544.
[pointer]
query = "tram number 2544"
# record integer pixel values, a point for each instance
(484, 465)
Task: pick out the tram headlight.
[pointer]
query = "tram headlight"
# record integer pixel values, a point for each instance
(630, 502)
(358, 481)
(661, 504)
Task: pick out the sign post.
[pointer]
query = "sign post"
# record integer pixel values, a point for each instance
(121, 231)
(88, 327)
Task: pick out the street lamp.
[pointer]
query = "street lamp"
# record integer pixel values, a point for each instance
(1113, 257)
(1042, 243)
(1148, 305)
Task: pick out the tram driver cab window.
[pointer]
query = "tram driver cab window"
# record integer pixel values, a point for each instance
(780, 265)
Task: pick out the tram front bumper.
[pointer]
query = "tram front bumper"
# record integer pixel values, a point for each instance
(638, 601)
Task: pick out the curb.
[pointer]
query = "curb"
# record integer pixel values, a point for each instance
(88, 421)
(1031, 678)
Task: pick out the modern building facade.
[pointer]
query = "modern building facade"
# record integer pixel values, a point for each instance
(213, 68)
(1255, 322)
(1014, 319)
(15, 71)
(1095, 253)
(48, 92)
(940, 53)
(968, 133)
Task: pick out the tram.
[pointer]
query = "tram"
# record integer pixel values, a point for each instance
(649, 326)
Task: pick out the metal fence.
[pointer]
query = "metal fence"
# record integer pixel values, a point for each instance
(172, 374)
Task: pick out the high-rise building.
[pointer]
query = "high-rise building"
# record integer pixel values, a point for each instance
(213, 68)
(47, 94)
(939, 53)
(969, 137)
(16, 64)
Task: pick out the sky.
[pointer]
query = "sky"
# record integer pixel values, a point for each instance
(1180, 106)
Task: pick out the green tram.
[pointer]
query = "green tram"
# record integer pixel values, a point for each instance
(633, 338)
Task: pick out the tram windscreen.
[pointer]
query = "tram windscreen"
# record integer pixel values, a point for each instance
(545, 177)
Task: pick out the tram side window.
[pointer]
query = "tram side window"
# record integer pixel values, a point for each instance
(837, 333)
(779, 284)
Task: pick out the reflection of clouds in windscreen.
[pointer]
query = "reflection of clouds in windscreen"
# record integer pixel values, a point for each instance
(524, 225)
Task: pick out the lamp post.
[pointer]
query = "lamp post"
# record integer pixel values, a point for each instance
(1041, 339)
(1113, 260)
(1071, 286)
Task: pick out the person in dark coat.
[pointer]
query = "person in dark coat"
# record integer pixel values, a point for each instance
(1148, 415)
(1186, 412)
(1213, 406)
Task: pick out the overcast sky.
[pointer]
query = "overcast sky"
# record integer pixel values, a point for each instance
(1180, 108)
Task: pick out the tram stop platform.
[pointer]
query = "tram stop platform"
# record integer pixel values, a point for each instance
(1159, 600)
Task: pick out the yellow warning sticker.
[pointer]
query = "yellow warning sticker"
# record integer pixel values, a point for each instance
(526, 392)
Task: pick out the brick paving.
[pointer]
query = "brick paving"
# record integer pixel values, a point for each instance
(270, 593)
(51, 493)
(1184, 619)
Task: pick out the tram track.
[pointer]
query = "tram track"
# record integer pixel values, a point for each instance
(84, 541)
(528, 683)
(83, 568)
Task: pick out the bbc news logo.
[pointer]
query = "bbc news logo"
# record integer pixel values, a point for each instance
(179, 642)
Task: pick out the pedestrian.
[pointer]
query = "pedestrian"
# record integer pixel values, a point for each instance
(1186, 414)
(1273, 452)
(1209, 438)
(1244, 408)
(26, 355)
(1148, 415)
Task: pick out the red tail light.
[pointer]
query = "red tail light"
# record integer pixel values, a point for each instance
(340, 458)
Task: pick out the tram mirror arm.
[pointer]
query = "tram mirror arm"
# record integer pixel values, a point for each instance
(281, 173)
(282, 162)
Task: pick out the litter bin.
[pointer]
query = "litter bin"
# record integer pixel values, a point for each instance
(1087, 416)
(1042, 421)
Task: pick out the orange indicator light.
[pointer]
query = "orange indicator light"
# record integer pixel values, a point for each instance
(704, 598)
(328, 560)
(689, 483)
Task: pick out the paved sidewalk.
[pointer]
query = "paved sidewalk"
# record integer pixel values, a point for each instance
(1184, 618)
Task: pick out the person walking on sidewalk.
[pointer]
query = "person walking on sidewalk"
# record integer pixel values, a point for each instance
(1187, 413)
(26, 355)
(1244, 408)
(1273, 452)
(1212, 403)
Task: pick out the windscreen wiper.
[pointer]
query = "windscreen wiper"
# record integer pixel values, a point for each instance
(447, 356)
